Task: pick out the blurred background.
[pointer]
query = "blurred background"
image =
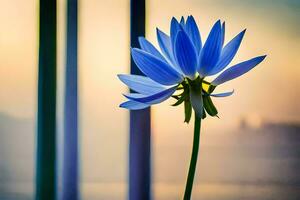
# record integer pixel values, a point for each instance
(251, 152)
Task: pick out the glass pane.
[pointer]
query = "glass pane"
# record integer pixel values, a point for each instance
(103, 53)
(251, 151)
(18, 85)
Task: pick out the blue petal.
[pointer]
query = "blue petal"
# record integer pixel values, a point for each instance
(148, 47)
(186, 54)
(223, 33)
(133, 105)
(141, 84)
(237, 70)
(211, 50)
(182, 22)
(155, 68)
(228, 53)
(165, 45)
(224, 94)
(152, 99)
(175, 27)
(193, 32)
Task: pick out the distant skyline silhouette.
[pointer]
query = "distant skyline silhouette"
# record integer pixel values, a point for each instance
(254, 157)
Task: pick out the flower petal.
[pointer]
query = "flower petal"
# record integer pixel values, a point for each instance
(165, 45)
(223, 94)
(141, 84)
(182, 22)
(193, 32)
(133, 105)
(185, 54)
(228, 53)
(148, 47)
(211, 50)
(152, 99)
(155, 68)
(237, 70)
(175, 27)
(223, 33)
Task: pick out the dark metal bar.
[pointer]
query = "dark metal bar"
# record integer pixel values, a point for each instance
(46, 131)
(140, 124)
(70, 187)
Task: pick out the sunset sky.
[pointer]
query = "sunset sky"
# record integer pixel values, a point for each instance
(269, 92)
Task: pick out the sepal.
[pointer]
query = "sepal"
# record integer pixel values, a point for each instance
(187, 111)
(196, 96)
(209, 106)
(180, 99)
(204, 114)
(184, 96)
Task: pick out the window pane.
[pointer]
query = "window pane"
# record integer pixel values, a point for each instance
(103, 53)
(18, 85)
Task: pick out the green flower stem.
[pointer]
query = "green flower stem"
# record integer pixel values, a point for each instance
(193, 162)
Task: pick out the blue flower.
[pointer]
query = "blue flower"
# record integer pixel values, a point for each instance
(183, 63)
